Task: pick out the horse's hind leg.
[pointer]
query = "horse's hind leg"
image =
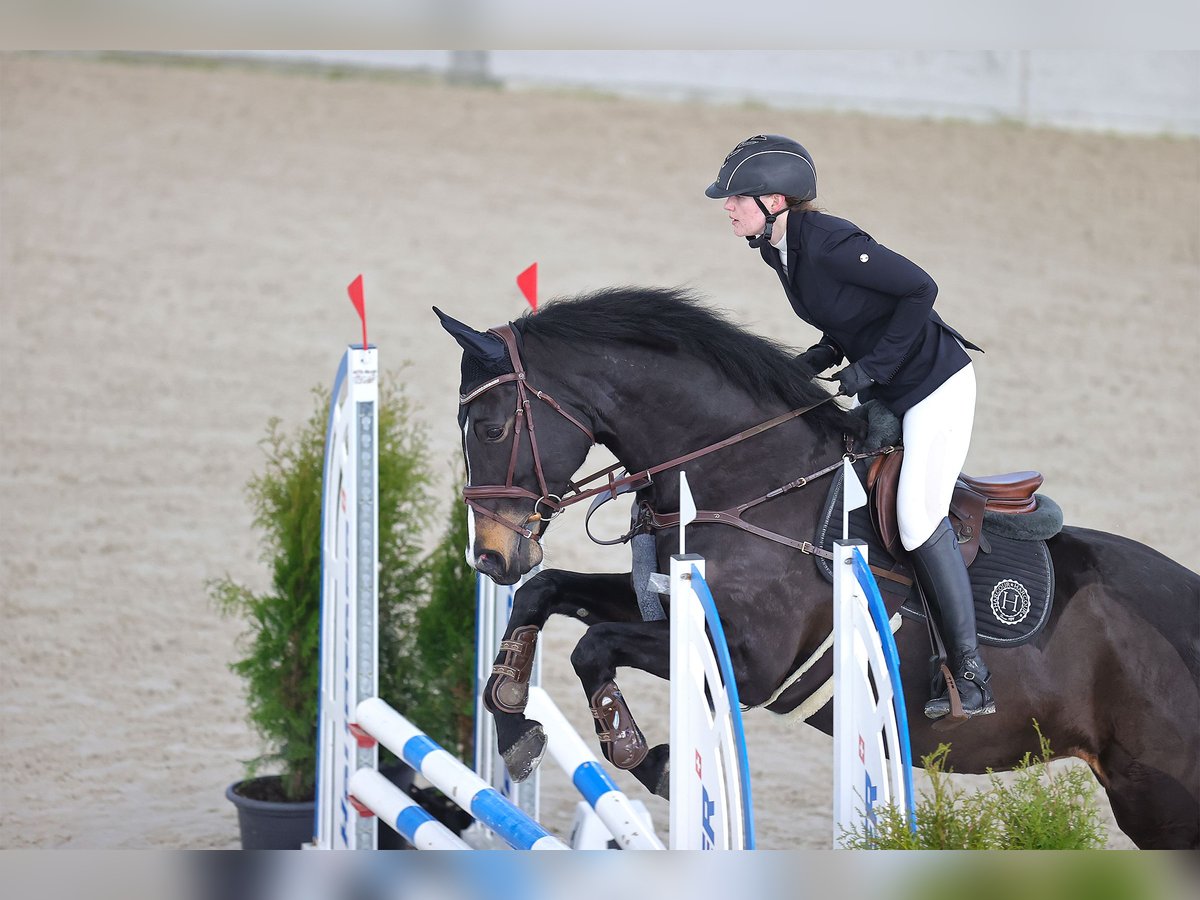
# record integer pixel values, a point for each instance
(587, 597)
(1153, 808)
(639, 645)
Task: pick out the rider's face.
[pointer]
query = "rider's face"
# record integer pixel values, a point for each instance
(745, 216)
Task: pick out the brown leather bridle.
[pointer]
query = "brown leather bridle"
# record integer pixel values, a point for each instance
(522, 421)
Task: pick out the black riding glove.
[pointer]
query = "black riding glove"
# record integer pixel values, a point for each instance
(852, 380)
(818, 358)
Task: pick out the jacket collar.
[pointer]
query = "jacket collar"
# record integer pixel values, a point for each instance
(795, 240)
(795, 243)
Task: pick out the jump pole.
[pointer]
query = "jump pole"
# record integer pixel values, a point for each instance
(371, 793)
(574, 757)
(452, 778)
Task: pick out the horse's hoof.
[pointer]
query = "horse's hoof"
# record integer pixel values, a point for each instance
(523, 755)
(664, 782)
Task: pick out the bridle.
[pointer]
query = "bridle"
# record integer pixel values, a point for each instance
(522, 421)
(577, 491)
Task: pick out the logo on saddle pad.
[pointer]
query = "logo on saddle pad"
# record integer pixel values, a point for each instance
(1010, 601)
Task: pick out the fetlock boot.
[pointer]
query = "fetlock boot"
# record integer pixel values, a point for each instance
(942, 574)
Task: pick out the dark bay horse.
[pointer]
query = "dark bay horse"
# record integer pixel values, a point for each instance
(1113, 678)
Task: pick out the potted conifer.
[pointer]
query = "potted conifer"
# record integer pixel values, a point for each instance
(281, 664)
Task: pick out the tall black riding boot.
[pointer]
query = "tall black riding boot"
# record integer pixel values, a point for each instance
(942, 574)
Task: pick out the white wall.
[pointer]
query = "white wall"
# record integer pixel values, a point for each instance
(1129, 91)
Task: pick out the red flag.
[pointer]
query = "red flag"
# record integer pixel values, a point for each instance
(356, 297)
(527, 282)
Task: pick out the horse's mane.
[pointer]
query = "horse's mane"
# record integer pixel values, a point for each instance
(675, 320)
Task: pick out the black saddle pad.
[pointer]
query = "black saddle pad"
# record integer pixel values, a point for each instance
(1012, 580)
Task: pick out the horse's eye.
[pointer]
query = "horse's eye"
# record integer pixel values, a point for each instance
(494, 432)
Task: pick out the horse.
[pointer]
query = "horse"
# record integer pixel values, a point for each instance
(656, 375)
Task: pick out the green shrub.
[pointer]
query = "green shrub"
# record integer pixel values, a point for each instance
(1039, 810)
(281, 665)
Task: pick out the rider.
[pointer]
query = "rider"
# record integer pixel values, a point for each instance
(875, 308)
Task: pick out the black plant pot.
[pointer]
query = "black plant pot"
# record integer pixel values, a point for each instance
(270, 824)
(281, 825)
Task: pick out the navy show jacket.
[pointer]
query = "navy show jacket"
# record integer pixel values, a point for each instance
(872, 305)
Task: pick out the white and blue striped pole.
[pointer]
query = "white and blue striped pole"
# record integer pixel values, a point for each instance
(398, 810)
(612, 806)
(452, 778)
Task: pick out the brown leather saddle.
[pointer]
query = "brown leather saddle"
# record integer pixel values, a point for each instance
(1012, 494)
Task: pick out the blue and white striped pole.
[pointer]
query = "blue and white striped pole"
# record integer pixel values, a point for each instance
(571, 753)
(397, 809)
(452, 778)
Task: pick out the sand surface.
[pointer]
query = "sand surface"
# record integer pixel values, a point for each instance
(175, 244)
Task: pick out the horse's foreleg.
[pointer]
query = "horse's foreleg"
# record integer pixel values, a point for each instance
(587, 597)
(639, 645)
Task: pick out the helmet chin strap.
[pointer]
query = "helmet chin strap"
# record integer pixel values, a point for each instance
(758, 240)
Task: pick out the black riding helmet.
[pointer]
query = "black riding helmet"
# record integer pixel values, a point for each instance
(766, 164)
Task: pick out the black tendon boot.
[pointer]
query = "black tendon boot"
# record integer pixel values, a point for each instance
(942, 574)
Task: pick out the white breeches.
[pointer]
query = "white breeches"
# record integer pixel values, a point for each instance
(937, 434)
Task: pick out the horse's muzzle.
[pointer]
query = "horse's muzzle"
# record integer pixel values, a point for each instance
(502, 554)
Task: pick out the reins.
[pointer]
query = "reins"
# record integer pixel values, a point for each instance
(649, 520)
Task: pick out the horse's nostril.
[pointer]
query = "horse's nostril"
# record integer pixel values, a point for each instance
(488, 563)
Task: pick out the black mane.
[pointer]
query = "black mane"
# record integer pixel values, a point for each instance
(674, 320)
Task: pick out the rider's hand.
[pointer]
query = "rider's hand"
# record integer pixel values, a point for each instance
(817, 358)
(852, 380)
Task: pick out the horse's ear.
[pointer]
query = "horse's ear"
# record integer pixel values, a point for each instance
(486, 346)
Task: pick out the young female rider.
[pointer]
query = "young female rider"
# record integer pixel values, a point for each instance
(875, 308)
